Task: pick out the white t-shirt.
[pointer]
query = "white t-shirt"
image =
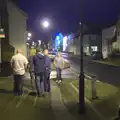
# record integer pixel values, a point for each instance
(19, 63)
(59, 61)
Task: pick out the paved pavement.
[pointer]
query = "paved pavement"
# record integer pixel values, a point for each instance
(106, 73)
(31, 107)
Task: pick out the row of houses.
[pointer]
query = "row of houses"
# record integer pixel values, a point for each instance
(105, 41)
(13, 21)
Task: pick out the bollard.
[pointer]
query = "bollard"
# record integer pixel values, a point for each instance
(118, 115)
(94, 93)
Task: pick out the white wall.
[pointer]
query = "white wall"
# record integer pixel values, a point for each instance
(17, 27)
(106, 47)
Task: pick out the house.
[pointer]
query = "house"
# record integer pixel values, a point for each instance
(107, 40)
(91, 42)
(13, 21)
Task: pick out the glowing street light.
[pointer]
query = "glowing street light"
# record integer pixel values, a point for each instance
(28, 38)
(46, 24)
(65, 43)
(29, 34)
(39, 41)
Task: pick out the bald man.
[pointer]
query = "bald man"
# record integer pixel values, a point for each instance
(47, 71)
(18, 64)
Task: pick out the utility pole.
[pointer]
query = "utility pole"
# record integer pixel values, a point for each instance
(81, 77)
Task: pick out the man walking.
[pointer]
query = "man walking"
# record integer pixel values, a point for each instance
(39, 69)
(47, 71)
(19, 65)
(59, 64)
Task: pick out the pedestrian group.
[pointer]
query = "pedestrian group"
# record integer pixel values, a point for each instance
(39, 67)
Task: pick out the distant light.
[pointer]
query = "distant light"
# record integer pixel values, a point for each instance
(57, 37)
(39, 42)
(65, 38)
(58, 42)
(65, 43)
(46, 24)
(29, 34)
(28, 38)
(33, 43)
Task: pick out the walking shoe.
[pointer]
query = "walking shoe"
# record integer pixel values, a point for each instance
(57, 81)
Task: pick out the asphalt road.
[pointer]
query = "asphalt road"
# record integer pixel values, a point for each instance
(106, 73)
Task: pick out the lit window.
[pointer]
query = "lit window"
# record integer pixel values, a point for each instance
(94, 48)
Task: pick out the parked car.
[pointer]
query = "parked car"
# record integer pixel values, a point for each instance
(97, 55)
(52, 55)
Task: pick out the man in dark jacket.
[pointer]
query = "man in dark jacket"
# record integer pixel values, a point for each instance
(39, 69)
(47, 71)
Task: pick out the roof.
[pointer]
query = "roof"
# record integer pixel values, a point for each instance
(88, 30)
(13, 2)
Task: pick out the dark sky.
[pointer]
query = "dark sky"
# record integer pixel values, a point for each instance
(64, 15)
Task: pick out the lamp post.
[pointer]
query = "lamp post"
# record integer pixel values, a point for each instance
(81, 77)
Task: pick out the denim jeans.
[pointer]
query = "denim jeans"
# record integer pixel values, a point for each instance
(18, 84)
(39, 82)
(59, 70)
(47, 81)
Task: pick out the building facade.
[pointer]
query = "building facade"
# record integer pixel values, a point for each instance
(107, 35)
(91, 42)
(13, 21)
(17, 27)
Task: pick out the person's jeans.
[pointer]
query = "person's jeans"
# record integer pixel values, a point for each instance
(18, 84)
(47, 81)
(59, 70)
(39, 82)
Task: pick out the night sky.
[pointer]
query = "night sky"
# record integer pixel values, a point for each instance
(64, 15)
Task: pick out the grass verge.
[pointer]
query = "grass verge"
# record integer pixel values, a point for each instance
(109, 98)
(113, 62)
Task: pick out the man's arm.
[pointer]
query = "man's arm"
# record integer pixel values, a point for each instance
(55, 61)
(63, 62)
(12, 62)
(25, 62)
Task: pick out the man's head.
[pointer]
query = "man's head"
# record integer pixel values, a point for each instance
(59, 54)
(46, 51)
(19, 50)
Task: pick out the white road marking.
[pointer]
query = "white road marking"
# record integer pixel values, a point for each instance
(22, 99)
(35, 100)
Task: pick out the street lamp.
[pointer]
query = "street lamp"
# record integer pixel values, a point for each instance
(29, 34)
(45, 24)
(81, 77)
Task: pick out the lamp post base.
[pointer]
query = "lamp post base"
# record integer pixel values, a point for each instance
(81, 93)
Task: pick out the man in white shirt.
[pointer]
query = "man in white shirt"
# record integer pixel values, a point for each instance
(19, 64)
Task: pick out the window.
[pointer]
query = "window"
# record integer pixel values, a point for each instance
(94, 48)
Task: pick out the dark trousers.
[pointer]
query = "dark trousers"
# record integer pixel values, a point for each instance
(18, 84)
(59, 70)
(47, 81)
(32, 77)
(39, 82)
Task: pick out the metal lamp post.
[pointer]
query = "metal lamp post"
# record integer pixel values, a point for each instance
(81, 77)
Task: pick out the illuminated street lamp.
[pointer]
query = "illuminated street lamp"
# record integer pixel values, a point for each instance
(39, 41)
(45, 24)
(28, 38)
(29, 34)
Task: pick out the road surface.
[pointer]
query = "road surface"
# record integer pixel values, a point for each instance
(106, 73)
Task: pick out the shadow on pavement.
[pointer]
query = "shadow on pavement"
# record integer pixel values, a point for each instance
(32, 94)
(3, 91)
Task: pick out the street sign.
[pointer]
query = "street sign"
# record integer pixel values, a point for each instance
(2, 33)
